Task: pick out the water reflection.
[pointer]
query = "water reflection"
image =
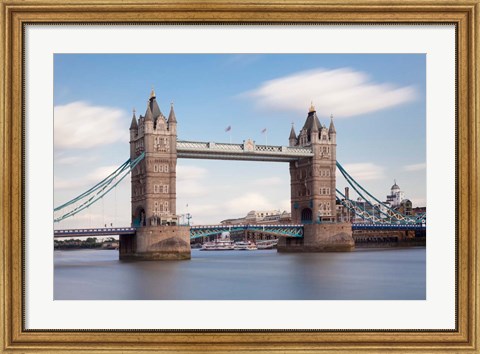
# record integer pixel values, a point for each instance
(366, 274)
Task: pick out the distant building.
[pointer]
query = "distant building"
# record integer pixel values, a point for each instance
(397, 201)
(396, 195)
(261, 217)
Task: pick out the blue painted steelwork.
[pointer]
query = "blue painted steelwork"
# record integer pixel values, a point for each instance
(195, 231)
(278, 230)
(381, 211)
(101, 231)
(385, 226)
(210, 230)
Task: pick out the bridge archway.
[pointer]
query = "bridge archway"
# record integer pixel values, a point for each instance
(139, 218)
(306, 216)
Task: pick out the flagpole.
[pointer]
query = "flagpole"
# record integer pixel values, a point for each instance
(265, 131)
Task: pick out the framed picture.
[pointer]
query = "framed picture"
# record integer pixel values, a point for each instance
(309, 140)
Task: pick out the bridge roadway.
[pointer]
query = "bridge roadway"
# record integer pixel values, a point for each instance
(379, 226)
(246, 151)
(100, 231)
(286, 230)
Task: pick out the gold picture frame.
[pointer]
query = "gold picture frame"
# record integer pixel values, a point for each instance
(463, 14)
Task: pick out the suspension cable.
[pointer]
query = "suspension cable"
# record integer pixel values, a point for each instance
(105, 188)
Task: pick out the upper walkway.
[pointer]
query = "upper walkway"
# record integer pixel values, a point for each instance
(246, 151)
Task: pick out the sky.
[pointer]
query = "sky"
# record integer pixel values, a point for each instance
(377, 101)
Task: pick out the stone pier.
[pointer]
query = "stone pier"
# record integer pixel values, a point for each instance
(327, 237)
(156, 243)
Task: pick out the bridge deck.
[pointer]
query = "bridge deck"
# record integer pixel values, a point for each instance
(379, 226)
(247, 151)
(286, 230)
(100, 231)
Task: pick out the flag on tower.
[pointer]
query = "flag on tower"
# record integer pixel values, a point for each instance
(264, 130)
(227, 129)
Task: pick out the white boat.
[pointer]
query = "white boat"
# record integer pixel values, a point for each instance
(267, 244)
(222, 244)
(245, 246)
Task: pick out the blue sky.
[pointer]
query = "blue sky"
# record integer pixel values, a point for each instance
(377, 100)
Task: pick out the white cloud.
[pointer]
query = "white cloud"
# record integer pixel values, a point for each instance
(185, 173)
(343, 92)
(190, 181)
(89, 180)
(269, 181)
(236, 207)
(81, 125)
(73, 160)
(61, 183)
(415, 167)
(366, 171)
(100, 173)
(247, 202)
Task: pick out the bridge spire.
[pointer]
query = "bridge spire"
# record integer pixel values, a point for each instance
(331, 129)
(293, 137)
(148, 113)
(152, 102)
(134, 125)
(171, 117)
(315, 127)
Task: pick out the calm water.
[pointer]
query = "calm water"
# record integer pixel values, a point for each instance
(368, 274)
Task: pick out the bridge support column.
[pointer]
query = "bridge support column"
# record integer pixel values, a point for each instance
(326, 237)
(155, 243)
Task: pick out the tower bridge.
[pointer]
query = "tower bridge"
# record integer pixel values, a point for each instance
(248, 151)
(154, 149)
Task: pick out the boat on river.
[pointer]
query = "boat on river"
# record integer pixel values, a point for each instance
(267, 244)
(245, 246)
(224, 243)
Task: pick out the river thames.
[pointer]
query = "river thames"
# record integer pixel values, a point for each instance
(365, 274)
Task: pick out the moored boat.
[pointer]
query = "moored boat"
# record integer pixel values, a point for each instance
(222, 244)
(267, 244)
(245, 246)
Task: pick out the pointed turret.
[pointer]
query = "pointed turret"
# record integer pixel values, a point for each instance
(292, 133)
(148, 114)
(134, 124)
(148, 120)
(311, 120)
(154, 106)
(332, 133)
(292, 139)
(171, 116)
(331, 129)
(172, 121)
(315, 129)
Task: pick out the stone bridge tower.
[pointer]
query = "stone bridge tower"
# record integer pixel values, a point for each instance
(153, 189)
(153, 179)
(313, 183)
(313, 179)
